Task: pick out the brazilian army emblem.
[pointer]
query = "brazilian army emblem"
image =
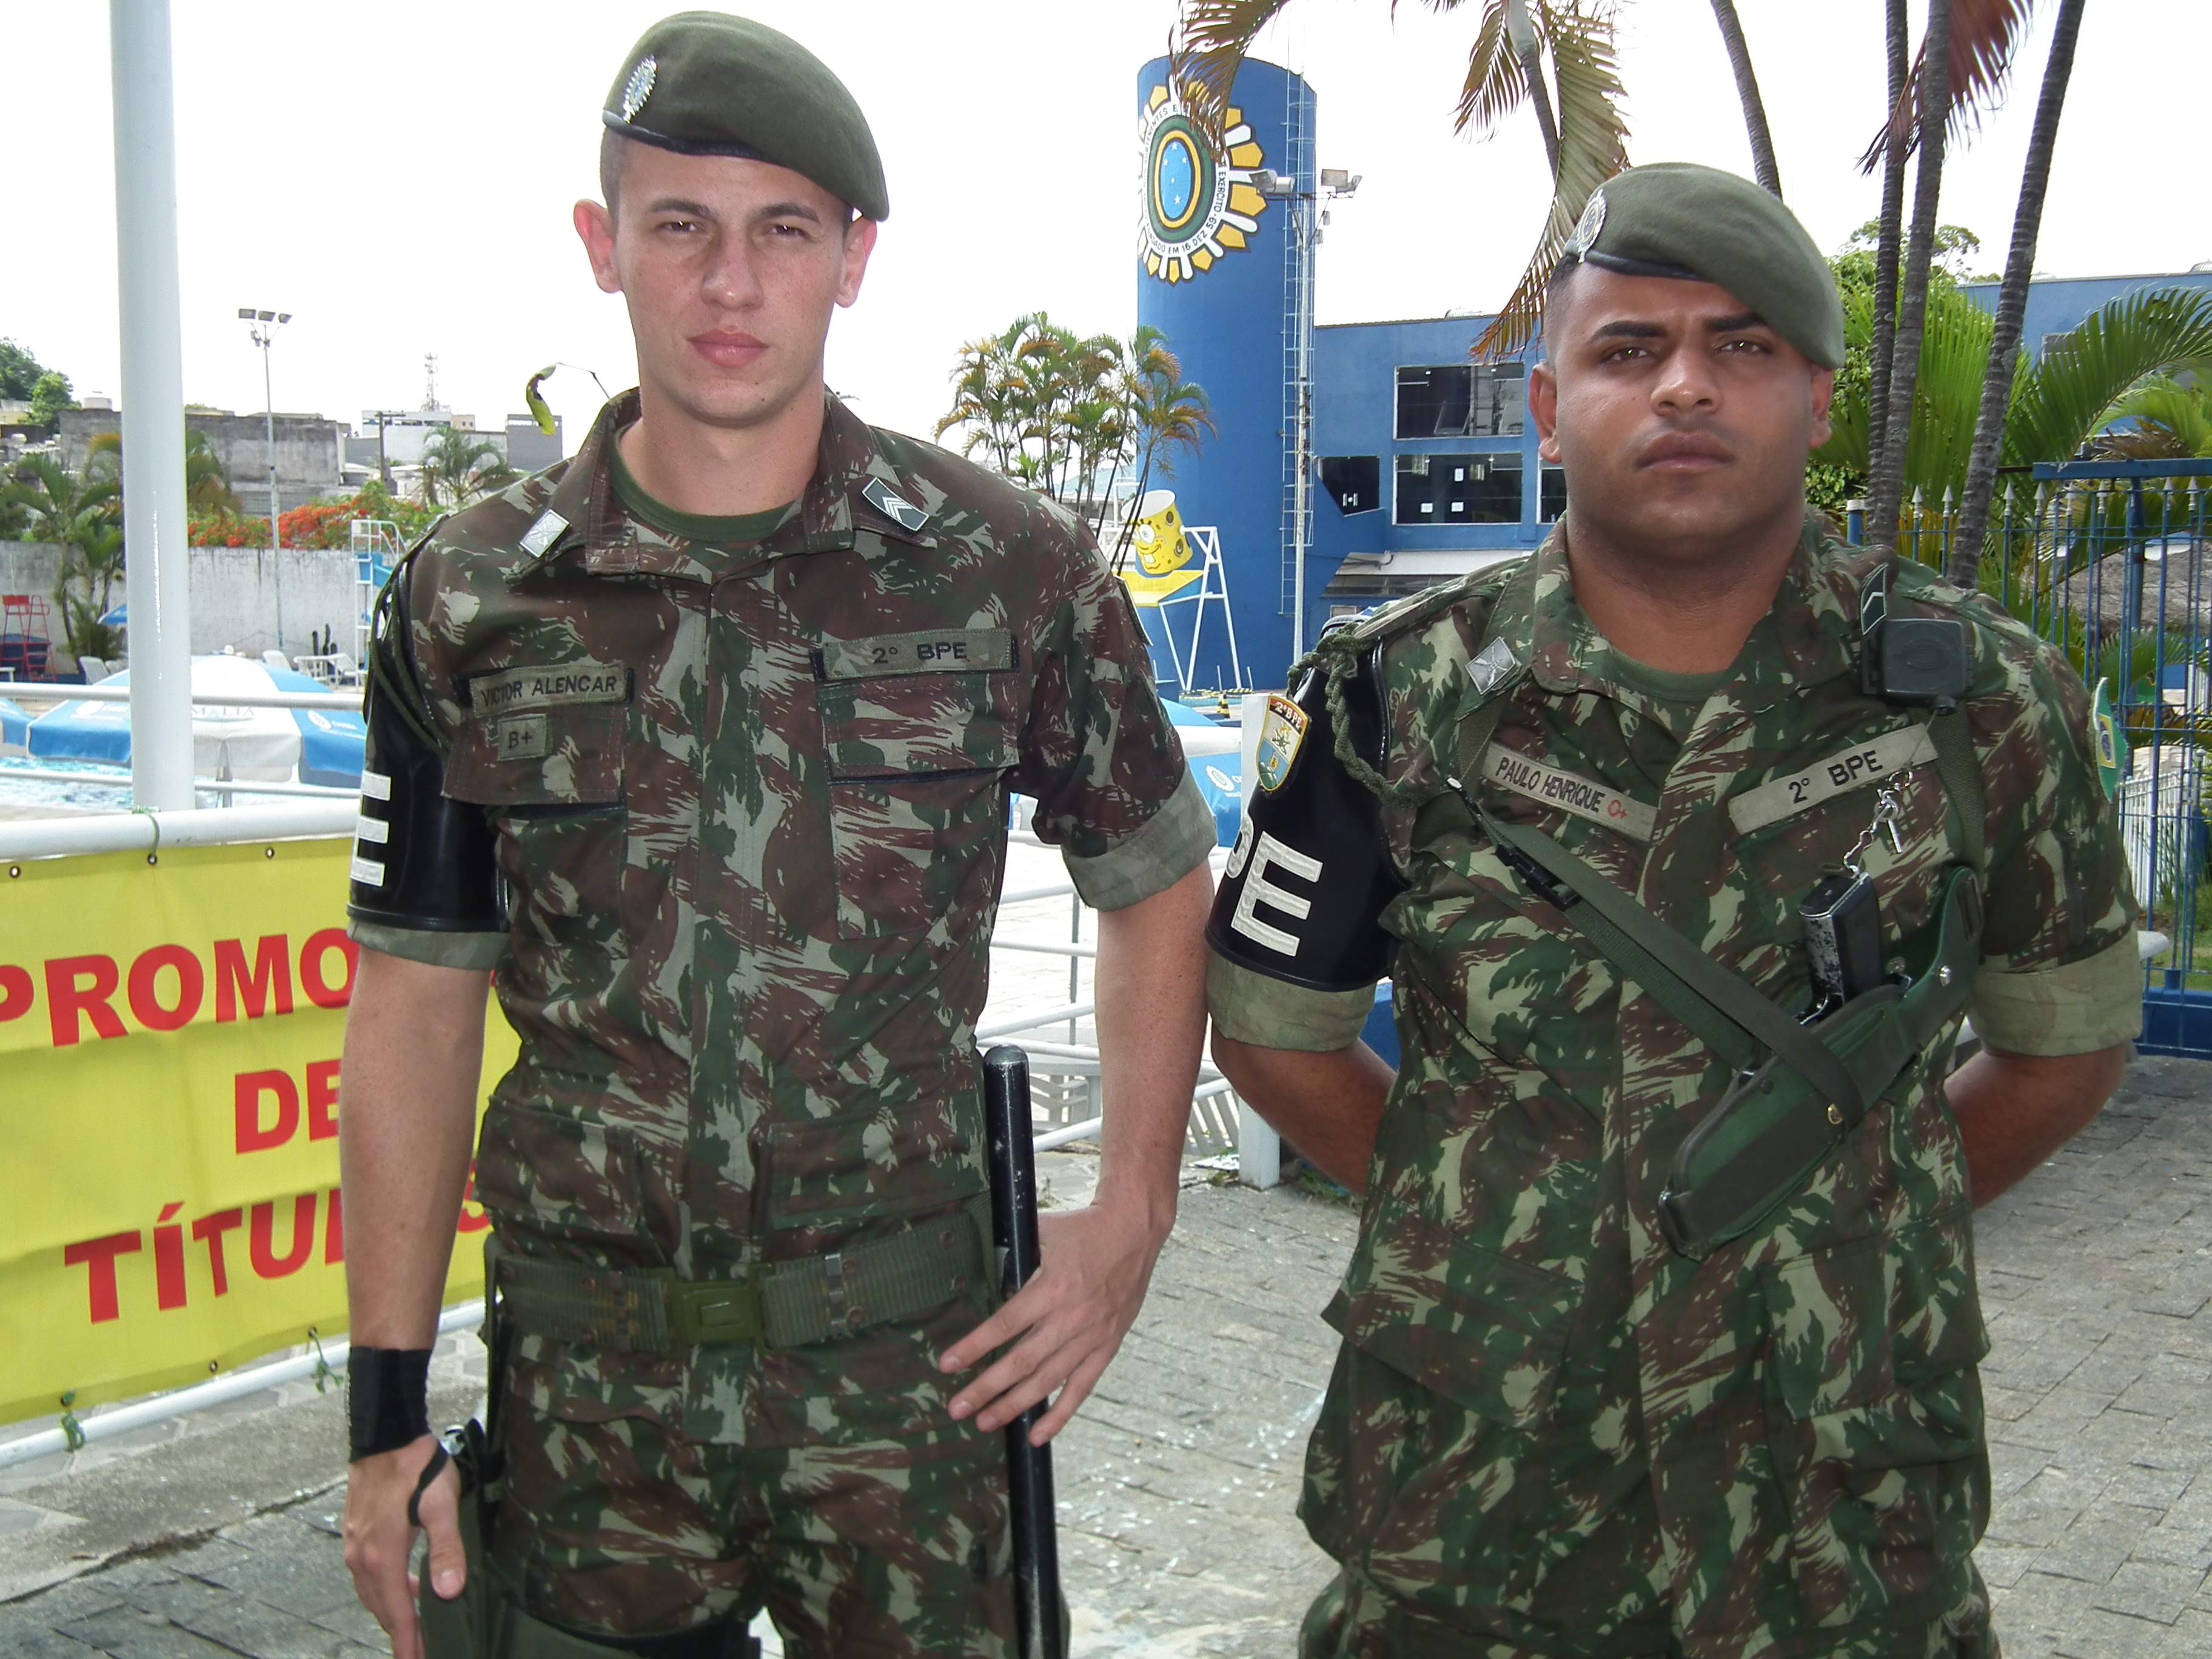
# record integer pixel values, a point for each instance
(1280, 733)
(639, 88)
(1589, 228)
(1199, 202)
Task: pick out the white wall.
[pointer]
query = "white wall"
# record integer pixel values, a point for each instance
(238, 594)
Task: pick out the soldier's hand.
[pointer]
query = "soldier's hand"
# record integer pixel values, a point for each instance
(1067, 1324)
(378, 1538)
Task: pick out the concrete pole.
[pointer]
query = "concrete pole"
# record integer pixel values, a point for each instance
(154, 528)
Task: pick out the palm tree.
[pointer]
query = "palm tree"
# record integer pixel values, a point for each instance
(1963, 62)
(2114, 365)
(207, 483)
(1168, 413)
(461, 466)
(1065, 414)
(1587, 143)
(1746, 94)
(58, 505)
(1889, 231)
(1887, 464)
(78, 513)
(984, 403)
(2012, 299)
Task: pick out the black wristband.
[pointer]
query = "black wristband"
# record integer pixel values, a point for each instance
(387, 1399)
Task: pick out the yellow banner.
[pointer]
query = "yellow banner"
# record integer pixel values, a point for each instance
(170, 1029)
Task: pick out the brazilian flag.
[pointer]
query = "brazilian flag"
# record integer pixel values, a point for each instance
(2104, 737)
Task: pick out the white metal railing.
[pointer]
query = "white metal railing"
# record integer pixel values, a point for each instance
(61, 693)
(251, 1379)
(204, 786)
(148, 831)
(204, 827)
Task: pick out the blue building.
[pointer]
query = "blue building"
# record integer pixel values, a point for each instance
(1441, 456)
(1423, 463)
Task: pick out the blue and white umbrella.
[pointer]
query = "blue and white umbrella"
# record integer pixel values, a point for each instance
(1220, 780)
(260, 745)
(118, 618)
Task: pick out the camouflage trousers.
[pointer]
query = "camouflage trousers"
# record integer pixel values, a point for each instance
(1464, 1536)
(864, 1520)
(1353, 1619)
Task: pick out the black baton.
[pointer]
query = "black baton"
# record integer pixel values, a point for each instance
(1037, 1624)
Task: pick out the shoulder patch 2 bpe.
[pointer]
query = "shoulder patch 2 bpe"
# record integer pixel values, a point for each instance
(1281, 732)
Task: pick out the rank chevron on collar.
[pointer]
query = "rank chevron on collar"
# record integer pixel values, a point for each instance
(893, 506)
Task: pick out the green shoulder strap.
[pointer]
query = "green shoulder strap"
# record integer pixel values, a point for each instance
(1723, 1010)
(1960, 769)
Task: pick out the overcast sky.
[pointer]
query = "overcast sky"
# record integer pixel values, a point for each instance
(400, 176)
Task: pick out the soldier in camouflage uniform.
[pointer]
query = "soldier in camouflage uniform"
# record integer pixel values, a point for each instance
(701, 743)
(1561, 1422)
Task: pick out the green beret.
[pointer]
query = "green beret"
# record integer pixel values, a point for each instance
(706, 83)
(1699, 224)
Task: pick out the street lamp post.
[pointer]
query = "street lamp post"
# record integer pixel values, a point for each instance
(263, 326)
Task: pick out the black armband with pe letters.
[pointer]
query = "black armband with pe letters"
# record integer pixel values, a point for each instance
(1301, 899)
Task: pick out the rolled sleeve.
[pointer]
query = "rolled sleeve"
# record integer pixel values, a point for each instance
(1164, 849)
(1273, 1013)
(2076, 1008)
(479, 951)
(1105, 768)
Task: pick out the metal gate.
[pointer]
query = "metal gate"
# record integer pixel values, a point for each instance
(2108, 560)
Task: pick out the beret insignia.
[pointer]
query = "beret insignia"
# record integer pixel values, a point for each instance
(640, 87)
(1587, 228)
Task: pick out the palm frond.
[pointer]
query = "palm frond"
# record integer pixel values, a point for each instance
(2069, 393)
(1496, 85)
(2172, 421)
(1593, 147)
(1983, 36)
(1206, 49)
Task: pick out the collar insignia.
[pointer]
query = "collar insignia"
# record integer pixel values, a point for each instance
(639, 88)
(542, 533)
(1589, 228)
(1491, 664)
(896, 508)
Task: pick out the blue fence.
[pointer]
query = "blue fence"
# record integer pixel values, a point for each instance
(2108, 560)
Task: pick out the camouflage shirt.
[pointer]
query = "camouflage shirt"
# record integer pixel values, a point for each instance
(748, 807)
(1545, 1418)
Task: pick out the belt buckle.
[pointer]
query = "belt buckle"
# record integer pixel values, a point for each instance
(724, 1312)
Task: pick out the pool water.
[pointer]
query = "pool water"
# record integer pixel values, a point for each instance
(76, 797)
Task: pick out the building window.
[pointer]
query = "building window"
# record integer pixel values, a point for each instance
(1458, 489)
(1552, 499)
(1463, 400)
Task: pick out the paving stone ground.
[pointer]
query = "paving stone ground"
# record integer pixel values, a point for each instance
(1177, 1482)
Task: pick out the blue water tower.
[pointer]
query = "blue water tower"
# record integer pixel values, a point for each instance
(1224, 271)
